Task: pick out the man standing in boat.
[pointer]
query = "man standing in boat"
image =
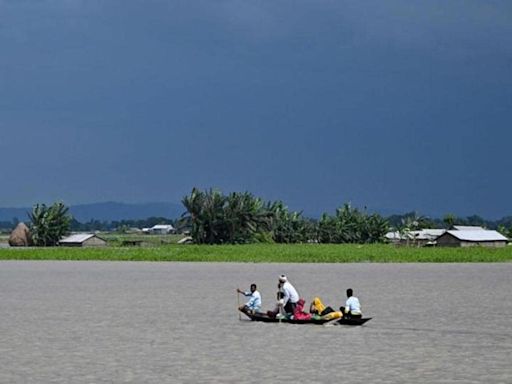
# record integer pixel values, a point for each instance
(352, 307)
(254, 303)
(290, 295)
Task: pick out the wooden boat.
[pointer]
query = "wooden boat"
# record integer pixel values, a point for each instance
(267, 319)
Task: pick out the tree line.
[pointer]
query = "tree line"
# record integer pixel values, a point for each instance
(212, 217)
(240, 217)
(215, 218)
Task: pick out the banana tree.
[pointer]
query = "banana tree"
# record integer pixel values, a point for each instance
(49, 224)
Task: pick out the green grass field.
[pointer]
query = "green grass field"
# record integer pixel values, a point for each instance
(268, 253)
(115, 239)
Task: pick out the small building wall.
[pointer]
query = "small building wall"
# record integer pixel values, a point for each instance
(94, 242)
(489, 244)
(447, 240)
(412, 242)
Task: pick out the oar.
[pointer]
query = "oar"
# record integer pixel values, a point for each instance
(238, 306)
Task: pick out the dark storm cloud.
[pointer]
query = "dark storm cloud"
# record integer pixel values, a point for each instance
(396, 105)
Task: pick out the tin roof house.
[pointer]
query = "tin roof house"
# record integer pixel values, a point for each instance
(83, 240)
(160, 229)
(472, 237)
(418, 238)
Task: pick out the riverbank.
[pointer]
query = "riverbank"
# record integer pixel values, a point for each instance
(267, 253)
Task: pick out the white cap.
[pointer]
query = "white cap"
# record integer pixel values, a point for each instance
(283, 279)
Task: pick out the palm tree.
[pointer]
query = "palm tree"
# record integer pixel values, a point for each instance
(350, 225)
(375, 228)
(205, 212)
(247, 216)
(326, 229)
(194, 204)
(217, 219)
(290, 227)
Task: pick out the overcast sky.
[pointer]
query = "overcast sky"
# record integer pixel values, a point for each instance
(393, 105)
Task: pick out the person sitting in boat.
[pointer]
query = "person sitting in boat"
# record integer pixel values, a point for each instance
(320, 311)
(254, 303)
(278, 309)
(299, 313)
(352, 307)
(290, 295)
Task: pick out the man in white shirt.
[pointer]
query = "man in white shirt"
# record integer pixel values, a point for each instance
(352, 307)
(290, 295)
(254, 303)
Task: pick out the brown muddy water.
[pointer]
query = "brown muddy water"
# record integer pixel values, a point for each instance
(122, 322)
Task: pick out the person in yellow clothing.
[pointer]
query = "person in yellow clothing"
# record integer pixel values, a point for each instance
(317, 308)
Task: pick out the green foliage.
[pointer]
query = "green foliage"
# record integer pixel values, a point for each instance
(245, 216)
(264, 237)
(218, 219)
(349, 225)
(375, 227)
(49, 224)
(507, 232)
(290, 227)
(242, 218)
(449, 220)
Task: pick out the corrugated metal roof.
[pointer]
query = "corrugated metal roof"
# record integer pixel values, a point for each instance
(478, 235)
(468, 228)
(392, 235)
(428, 233)
(77, 238)
(423, 234)
(162, 226)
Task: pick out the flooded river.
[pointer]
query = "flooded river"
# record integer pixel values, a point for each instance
(121, 322)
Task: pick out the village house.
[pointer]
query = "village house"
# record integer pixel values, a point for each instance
(471, 237)
(83, 240)
(160, 229)
(418, 238)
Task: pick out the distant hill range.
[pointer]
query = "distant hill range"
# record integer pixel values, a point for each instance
(109, 211)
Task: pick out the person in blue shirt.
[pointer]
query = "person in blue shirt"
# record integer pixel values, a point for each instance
(254, 303)
(352, 306)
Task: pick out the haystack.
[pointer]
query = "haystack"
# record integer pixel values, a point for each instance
(21, 236)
